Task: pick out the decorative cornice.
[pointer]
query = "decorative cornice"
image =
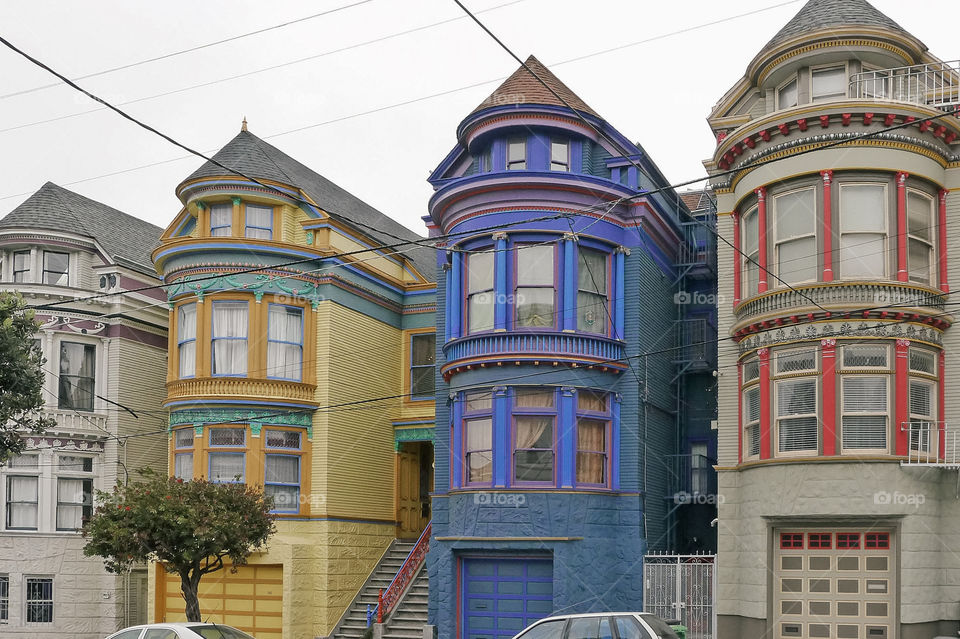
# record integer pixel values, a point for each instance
(841, 329)
(212, 415)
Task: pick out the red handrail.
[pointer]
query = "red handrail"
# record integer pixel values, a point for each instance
(387, 599)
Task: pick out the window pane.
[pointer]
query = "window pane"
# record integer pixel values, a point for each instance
(23, 461)
(39, 600)
(229, 338)
(284, 497)
(535, 265)
(534, 398)
(863, 255)
(796, 361)
(591, 312)
(480, 312)
(479, 401)
(863, 356)
(829, 83)
(259, 222)
(864, 394)
(183, 438)
(22, 502)
(535, 307)
(751, 370)
(921, 403)
(282, 469)
(423, 349)
(919, 216)
(559, 156)
(865, 431)
(922, 361)
(592, 272)
(796, 397)
(221, 219)
(591, 401)
(55, 268)
(517, 154)
(479, 272)
(478, 434)
(863, 208)
(227, 436)
(183, 466)
(74, 502)
(591, 451)
(787, 96)
(285, 342)
(533, 465)
(797, 260)
(798, 434)
(751, 232)
(795, 214)
(753, 440)
(422, 381)
(751, 405)
(226, 467)
(918, 260)
(74, 464)
(77, 387)
(479, 467)
(282, 439)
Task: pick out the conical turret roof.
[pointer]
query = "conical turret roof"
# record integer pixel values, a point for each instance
(524, 88)
(818, 15)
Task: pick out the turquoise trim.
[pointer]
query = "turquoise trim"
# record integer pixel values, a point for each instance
(220, 415)
(412, 435)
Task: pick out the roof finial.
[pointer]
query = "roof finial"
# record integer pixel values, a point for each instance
(243, 125)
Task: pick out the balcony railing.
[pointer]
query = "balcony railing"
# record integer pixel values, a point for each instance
(590, 349)
(690, 476)
(932, 443)
(207, 387)
(858, 295)
(935, 85)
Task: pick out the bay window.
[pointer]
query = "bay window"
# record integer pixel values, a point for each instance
(422, 358)
(751, 250)
(230, 338)
(187, 339)
(592, 291)
(56, 268)
(74, 491)
(863, 231)
(221, 220)
(920, 234)
(516, 154)
(592, 439)
(535, 293)
(258, 222)
(23, 480)
(21, 266)
(77, 379)
(480, 295)
(795, 238)
(282, 469)
(828, 83)
(534, 425)
(796, 416)
(285, 342)
(478, 438)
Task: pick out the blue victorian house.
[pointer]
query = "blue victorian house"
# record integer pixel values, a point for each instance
(575, 332)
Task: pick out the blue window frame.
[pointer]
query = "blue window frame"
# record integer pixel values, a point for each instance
(281, 470)
(593, 302)
(534, 436)
(258, 222)
(477, 438)
(535, 291)
(285, 342)
(229, 342)
(227, 468)
(221, 220)
(480, 297)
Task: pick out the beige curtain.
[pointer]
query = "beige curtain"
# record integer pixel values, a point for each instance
(591, 451)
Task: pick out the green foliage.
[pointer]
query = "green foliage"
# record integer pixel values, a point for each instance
(21, 375)
(190, 527)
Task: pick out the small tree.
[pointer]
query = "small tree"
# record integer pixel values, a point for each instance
(189, 527)
(21, 375)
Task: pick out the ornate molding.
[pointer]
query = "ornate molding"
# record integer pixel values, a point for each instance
(199, 417)
(832, 330)
(401, 435)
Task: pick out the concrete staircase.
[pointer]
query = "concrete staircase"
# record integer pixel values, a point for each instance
(407, 619)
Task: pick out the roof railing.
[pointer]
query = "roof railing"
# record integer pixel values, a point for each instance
(936, 84)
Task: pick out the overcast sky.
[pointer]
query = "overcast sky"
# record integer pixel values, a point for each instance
(657, 91)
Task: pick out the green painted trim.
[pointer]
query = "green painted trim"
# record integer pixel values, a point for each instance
(255, 429)
(222, 415)
(401, 435)
(236, 201)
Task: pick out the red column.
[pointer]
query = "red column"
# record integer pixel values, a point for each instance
(902, 436)
(763, 356)
(739, 412)
(762, 224)
(942, 245)
(737, 258)
(827, 226)
(902, 275)
(942, 405)
(828, 349)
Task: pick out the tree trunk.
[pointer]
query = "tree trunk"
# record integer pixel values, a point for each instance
(189, 585)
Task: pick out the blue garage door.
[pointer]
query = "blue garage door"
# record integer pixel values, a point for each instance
(503, 596)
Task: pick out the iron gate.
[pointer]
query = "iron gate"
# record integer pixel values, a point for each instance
(682, 587)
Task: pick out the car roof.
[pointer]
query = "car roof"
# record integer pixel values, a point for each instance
(597, 614)
(173, 625)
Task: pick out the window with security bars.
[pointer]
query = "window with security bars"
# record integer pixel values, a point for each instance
(923, 361)
(751, 421)
(864, 356)
(227, 436)
(4, 597)
(282, 439)
(923, 427)
(751, 370)
(797, 361)
(796, 415)
(39, 599)
(865, 414)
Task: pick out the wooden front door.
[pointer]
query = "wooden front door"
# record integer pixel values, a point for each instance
(408, 491)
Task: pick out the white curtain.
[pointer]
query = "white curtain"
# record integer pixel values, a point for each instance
(285, 342)
(283, 469)
(229, 338)
(221, 217)
(69, 503)
(183, 466)
(532, 431)
(479, 444)
(259, 222)
(226, 467)
(187, 338)
(22, 502)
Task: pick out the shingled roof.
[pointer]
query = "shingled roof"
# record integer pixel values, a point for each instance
(248, 154)
(818, 15)
(126, 239)
(524, 88)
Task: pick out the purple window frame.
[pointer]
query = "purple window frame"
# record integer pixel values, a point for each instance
(476, 415)
(605, 416)
(515, 285)
(515, 412)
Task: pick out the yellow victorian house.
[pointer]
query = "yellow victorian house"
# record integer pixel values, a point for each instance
(300, 360)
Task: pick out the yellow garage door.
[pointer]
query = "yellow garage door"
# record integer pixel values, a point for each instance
(250, 599)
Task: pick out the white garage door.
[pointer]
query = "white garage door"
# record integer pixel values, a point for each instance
(834, 583)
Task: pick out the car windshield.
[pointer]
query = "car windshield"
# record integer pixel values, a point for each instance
(213, 631)
(663, 630)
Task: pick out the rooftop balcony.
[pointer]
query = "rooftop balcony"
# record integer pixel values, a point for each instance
(546, 347)
(932, 443)
(934, 85)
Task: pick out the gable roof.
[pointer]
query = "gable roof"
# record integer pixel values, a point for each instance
(248, 154)
(524, 88)
(817, 15)
(126, 239)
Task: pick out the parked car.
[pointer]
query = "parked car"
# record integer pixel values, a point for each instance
(180, 631)
(600, 625)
